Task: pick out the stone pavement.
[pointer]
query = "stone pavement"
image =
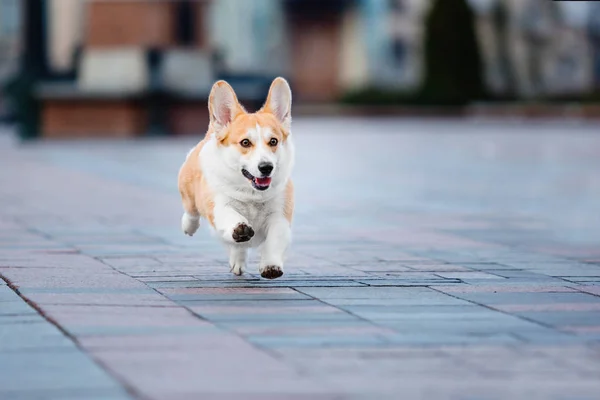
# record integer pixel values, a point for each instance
(431, 260)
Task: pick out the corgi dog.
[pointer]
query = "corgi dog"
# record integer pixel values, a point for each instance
(238, 178)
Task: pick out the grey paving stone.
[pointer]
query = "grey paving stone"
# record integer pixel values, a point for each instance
(509, 273)
(383, 296)
(193, 298)
(301, 323)
(21, 319)
(26, 291)
(474, 325)
(316, 341)
(95, 394)
(260, 304)
(490, 267)
(420, 311)
(16, 307)
(443, 338)
(567, 318)
(136, 330)
(400, 293)
(408, 282)
(62, 370)
(26, 337)
(7, 294)
(261, 283)
(529, 298)
(554, 338)
(308, 317)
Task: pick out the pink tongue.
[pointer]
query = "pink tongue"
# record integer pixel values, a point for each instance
(263, 181)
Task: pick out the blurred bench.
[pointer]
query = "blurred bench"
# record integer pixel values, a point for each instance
(128, 92)
(106, 99)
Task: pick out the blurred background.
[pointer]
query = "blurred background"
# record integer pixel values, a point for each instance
(83, 68)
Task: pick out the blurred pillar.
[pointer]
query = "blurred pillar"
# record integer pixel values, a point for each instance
(34, 56)
(32, 68)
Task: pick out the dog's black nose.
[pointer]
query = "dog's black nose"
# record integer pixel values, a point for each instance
(265, 168)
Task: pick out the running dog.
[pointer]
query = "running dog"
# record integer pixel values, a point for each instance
(238, 177)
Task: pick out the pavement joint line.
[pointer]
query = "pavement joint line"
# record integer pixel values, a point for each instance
(577, 287)
(542, 324)
(163, 295)
(220, 325)
(111, 305)
(373, 323)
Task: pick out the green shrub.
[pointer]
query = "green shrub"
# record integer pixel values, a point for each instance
(453, 62)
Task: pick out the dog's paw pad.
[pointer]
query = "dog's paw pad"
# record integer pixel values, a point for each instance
(271, 272)
(242, 233)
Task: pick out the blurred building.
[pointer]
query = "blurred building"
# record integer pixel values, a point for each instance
(382, 44)
(121, 68)
(548, 53)
(124, 67)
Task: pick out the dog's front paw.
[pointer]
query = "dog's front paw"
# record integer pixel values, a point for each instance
(271, 272)
(242, 233)
(237, 269)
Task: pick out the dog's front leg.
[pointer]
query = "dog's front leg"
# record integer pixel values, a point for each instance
(274, 248)
(232, 226)
(237, 259)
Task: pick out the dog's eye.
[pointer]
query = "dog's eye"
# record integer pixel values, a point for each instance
(245, 143)
(273, 142)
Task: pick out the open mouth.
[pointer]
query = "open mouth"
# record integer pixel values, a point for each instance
(258, 183)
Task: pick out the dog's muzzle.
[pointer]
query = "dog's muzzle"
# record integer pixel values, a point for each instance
(261, 183)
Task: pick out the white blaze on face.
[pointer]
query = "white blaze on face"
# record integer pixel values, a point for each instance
(261, 153)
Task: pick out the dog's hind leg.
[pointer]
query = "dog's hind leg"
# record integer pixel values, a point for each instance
(190, 221)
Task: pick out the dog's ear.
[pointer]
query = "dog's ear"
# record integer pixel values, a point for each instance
(223, 105)
(279, 102)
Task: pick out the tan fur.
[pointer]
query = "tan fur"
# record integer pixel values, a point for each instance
(235, 133)
(288, 210)
(195, 194)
